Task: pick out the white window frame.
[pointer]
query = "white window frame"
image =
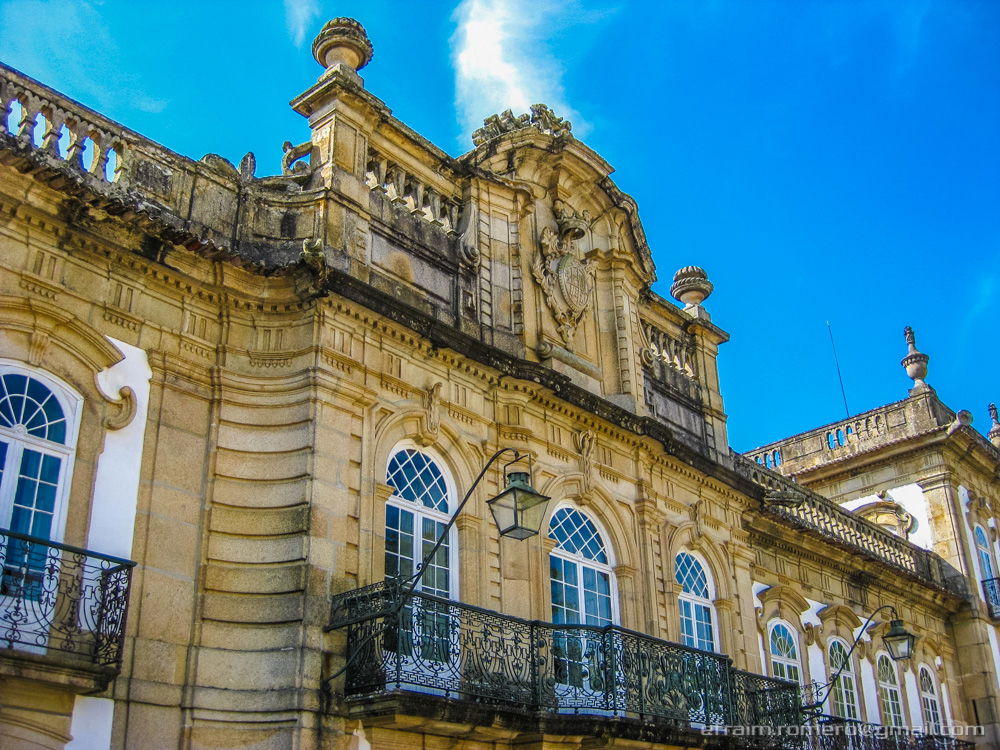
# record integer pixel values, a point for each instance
(987, 566)
(71, 403)
(928, 700)
(785, 662)
(421, 511)
(697, 601)
(890, 695)
(419, 655)
(846, 685)
(582, 562)
(607, 568)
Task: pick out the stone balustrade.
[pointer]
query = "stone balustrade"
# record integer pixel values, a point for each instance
(407, 191)
(666, 351)
(840, 438)
(810, 511)
(42, 119)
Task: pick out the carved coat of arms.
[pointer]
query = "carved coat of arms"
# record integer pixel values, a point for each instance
(566, 282)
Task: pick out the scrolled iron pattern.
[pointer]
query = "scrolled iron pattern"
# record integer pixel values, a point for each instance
(58, 598)
(835, 733)
(433, 645)
(991, 592)
(825, 517)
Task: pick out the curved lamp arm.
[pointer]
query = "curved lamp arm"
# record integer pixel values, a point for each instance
(411, 583)
(847, 660)
(415, 578)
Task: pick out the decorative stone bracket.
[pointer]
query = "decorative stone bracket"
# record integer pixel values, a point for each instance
(430, 420)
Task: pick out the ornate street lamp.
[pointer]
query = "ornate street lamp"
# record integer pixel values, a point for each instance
(519, 509)
(518, 512)
(898, 642)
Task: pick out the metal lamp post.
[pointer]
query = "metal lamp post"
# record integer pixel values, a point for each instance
(898, 642)
(518, 511)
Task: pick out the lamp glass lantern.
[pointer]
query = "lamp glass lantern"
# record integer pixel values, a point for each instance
(898, 641)
(519, 509)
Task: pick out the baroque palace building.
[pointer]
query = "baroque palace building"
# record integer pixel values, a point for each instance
(237, 412)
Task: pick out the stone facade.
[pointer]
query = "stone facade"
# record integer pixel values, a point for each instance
(240, 360)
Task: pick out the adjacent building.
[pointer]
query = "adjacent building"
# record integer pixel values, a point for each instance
(237, 412)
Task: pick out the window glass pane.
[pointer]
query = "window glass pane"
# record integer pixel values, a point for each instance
(20, 521)
(576, 534)
(417, 478)
(690, 574)
(25, 401)
(50, 469)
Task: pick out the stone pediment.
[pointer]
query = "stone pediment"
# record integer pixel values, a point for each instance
(539, 154)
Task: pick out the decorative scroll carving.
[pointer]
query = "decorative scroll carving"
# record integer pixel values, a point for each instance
(121, 412)
(291, 163)
(567, 283)
(468, 233)
(313, 257)
(541, 118)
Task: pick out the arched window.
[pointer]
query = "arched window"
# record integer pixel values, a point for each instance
(845, 690)
(579, 571)
(888, 693)
(784, 653)
(695, 600)
(415, 516)
(983, 552)
(583, 592)
(929, 702)
(37, 431)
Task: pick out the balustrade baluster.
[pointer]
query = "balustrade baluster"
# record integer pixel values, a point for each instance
(29, 119)
(53, 127)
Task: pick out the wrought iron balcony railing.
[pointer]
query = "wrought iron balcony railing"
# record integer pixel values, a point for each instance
(440, 647)
(809, 510)
(991, 593)
(58, 598)
(835, 733)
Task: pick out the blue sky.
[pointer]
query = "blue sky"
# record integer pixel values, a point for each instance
(823, 160)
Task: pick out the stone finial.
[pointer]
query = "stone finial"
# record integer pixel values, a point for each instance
(915, 362)
(342, 41)
(691, 286)
(994, 434)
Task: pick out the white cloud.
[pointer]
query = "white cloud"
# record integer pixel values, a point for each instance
(299, 15)
(502, 60)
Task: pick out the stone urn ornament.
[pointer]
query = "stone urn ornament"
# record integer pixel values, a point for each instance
(915, 361)
(691, 286)
(342, 41)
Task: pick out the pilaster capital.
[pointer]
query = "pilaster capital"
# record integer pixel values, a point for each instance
(468, 522)
(383, 491)
(625, 572)
(944, 480)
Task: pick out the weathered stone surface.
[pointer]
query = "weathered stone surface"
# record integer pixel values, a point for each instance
(378, 294)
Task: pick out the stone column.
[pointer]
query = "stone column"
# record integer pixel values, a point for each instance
(745, 651)
(947, 520)
(650, 522)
